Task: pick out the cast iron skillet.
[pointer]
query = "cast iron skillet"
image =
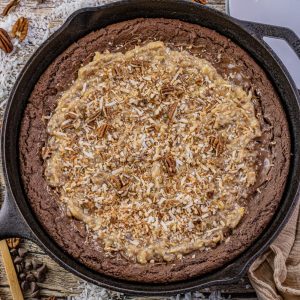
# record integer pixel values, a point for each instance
(16, 216)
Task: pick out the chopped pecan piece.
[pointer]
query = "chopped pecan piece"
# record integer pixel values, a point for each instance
(93, 117)
(102, 130)
(218, 144)
(120, 183)
(210, 194)
(172, 111)
(71, 115)
(117, 72)
(170, 164)
(139, 64)
(167, 89)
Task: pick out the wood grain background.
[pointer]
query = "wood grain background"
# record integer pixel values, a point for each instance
(61, 283)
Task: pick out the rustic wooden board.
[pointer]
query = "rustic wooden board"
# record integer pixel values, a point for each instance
(61, 283)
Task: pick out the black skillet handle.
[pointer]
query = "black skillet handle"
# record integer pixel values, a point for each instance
(260, 31)
(264, 30)
(12, 223)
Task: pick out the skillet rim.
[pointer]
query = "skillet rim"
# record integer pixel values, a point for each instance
(24, 208)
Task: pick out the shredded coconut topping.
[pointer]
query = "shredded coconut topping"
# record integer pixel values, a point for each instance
(153, 150)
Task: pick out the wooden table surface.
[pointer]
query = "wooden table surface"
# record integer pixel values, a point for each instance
(61, 283)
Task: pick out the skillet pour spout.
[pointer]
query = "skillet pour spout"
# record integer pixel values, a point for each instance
(16, 216)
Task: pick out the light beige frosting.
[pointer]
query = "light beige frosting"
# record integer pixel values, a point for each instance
(153, 150)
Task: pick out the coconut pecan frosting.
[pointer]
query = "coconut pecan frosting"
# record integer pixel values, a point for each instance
(153, 150)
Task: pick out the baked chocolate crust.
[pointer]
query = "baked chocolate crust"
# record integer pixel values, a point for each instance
(227, 57)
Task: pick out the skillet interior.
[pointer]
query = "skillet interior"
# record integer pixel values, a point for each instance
(203, 16)
(70, 234)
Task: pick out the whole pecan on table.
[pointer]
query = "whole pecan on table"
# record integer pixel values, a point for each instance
(201, 1)
(20, 29)
(9, 7)
(13, 243)
(5, 41)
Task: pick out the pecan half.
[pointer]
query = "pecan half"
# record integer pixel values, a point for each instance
(5, 42)
(9, 7)
(170, 164)
(13, 243)
(201, 1)
(20, 29)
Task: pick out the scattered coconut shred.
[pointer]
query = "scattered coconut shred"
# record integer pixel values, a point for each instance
(41, 26)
